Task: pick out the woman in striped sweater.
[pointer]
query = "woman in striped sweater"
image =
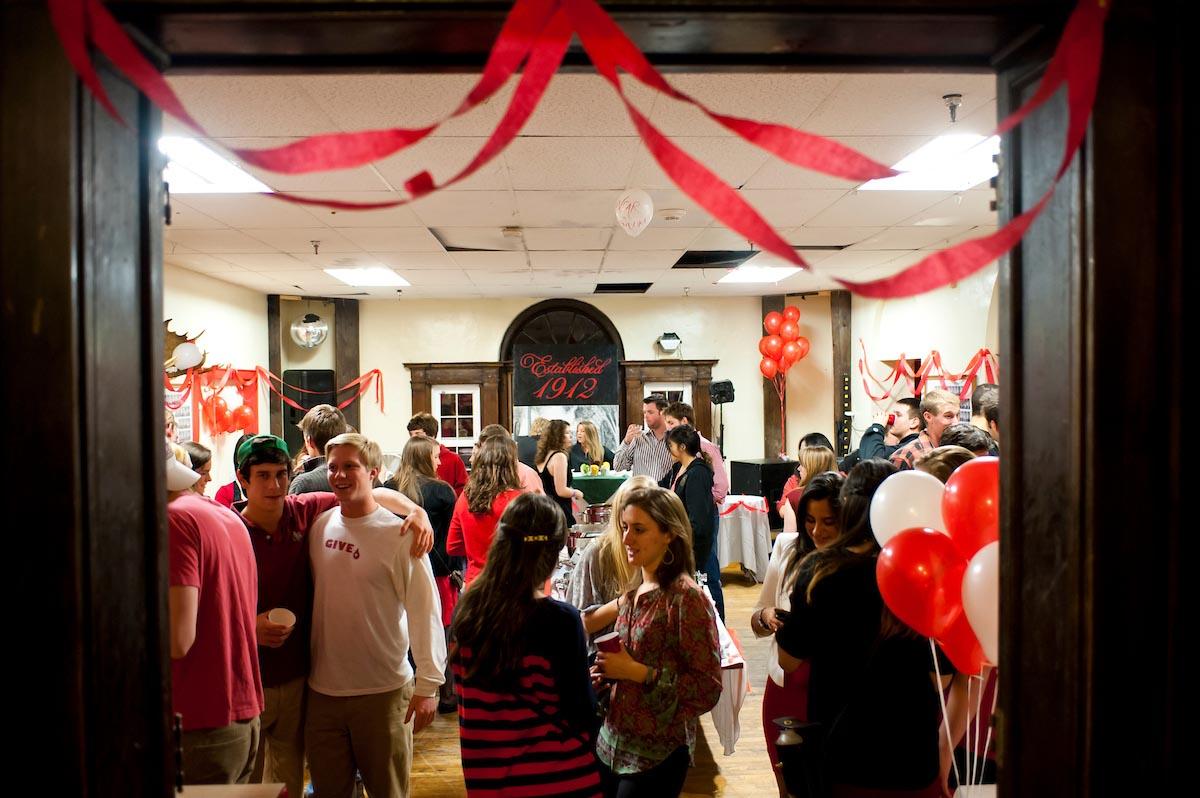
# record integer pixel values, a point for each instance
(526, 708)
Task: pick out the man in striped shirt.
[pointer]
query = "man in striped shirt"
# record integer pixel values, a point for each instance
(645, 453)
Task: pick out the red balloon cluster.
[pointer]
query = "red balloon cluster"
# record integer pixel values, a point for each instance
(920, 571)
(783, 344)
(221, 419)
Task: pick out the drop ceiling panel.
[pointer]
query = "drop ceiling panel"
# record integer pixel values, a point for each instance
(413, 260)
(339, 260)
(566, 208)
(400, 216)
(299, 240)
(486, 278)
(311, 280)
(250, 210)
(631, 276)
(566, 261)
(362, 178)
(198, 262)
(216, 241)
(500, 261)
(731, 159)
(585, 105)
(265, 261)
(829, 236)
(258, 282)
(910, 237)
(391, 239)
(185, 217)
(791, 208)
(431, 278)
(897, 103)
(974, 232)
(638, 261)
(877, 208)
(467, 209)
(652, 238)
(850, 261)
(569, 238)
(252, 105)
(887, 150)
(570, 163)
(718, 238)
(968, 208)
(782, 99)
(478, 238)
(382, 101)
(444, 158)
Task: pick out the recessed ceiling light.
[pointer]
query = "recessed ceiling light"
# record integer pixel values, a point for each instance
(371, 276)
(193, 168)
(753, 273)
(954, 162)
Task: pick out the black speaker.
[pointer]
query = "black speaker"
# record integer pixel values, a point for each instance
(762, 478)
(721, 392)
(307, 381)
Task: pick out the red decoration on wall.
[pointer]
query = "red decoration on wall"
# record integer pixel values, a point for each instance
(931, 365)
(536, 33)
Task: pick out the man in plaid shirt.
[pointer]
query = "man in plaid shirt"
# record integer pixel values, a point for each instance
(939, 410)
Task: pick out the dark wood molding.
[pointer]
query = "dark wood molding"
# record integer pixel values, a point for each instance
(346, 365)
(275, 358)
(696, 372)
(839, 320)
(773, 443)
(488, 376)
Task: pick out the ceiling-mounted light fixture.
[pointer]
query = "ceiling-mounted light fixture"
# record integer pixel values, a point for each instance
(669, 342)
(310, 331)
(194, 168)
(953, 101)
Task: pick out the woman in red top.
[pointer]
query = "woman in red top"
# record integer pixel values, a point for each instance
(492, 485)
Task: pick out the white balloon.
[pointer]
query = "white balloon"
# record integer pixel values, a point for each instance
(187, 355)
(905, 500)
(981, 598)
(634, 211)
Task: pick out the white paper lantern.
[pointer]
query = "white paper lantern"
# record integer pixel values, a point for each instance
(187, 355)
(310, 331)
(634, 211)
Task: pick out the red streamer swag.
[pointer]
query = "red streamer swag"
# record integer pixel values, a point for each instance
(931, 365)
(535, 36)
(217, 378)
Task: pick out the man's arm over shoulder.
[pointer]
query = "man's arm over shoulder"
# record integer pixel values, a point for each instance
(415, 588)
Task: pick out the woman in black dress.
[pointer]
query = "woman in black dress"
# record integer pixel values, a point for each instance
(551, 465)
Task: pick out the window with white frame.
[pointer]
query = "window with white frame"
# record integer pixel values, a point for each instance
(674, 391)
(456, 408)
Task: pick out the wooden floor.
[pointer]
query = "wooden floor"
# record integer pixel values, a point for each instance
(437, 772)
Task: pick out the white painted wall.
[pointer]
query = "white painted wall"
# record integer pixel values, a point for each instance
(957, 321)
(726, 330)
(234, 322)
(810, 381)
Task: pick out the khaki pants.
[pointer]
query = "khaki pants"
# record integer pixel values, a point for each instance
(220, 756)
(281, 749)
(366, 732)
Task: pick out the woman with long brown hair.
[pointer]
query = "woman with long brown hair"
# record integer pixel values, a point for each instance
(526, 709)
(667, 668)
(492, 484)
(551, 464)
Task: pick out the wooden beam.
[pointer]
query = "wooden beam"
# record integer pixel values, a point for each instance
(773, 442)
(275, 360)
(346, 365)
(839, 319)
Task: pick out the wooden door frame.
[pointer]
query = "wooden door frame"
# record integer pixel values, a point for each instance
(1093, 584)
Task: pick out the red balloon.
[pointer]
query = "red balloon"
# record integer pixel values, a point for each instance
(785, 362)
(774, 345)
(791, 313)
(220, 405)
(920, 575)
(804, 346)
(768, 367)
(762, 346)
(971, 505)
(244, 418)
(789, 331)
(225, 422)
(791, 350)
(961, 645)
(772, 321)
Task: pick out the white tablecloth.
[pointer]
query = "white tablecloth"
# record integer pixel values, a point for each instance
(745, 534)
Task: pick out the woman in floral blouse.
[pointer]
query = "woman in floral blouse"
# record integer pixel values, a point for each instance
(667, 671)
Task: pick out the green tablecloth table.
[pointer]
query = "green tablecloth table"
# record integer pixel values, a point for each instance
(598, 489)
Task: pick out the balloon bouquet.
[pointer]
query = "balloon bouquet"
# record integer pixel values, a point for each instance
(939, 564)
(781, 348)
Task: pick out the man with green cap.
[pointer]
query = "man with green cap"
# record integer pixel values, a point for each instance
(279, 524)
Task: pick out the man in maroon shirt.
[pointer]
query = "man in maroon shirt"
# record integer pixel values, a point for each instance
(451, 468)
(278, 524)
(215, 683)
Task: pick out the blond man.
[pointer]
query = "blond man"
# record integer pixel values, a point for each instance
(939, 410)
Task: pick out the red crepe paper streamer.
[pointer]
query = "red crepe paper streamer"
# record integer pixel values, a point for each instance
(359, 384)
(731, 509)
(983, 359)
(536, 33)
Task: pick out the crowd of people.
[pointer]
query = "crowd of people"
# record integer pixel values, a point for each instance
(322, 616)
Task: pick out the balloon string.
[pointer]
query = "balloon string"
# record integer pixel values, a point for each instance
(987, 741)
(970, 742)
(937, 669)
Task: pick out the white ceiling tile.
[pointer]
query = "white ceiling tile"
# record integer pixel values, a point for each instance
(549, 164)
(217, 241)
(850, 261)
(339, 260)
(967, 208)
(829, 236)
(265, 262)
(251, 210)
(359, 102)
(185, 217)
(431, 278)
(483, 278)
(974, 232)
(691, 277)
(467, 209)
(731, 159)
(785, 99)
(500, 261)
(256, 281)
(566, 208)
(790, 208)
(897, 103)
(400, 216)
(807, 281)
(566, 261)
(478, 238)
(871, 208)
(631, 276)
(673, 198)
(640, 261)
(199, 262)
(581, 105)
(312, 279)
(391, 239)
(887, 150)
(444, 158)
(299, 240)
(252, 105)
(909, 237)
(413, 260)
(673, 238)
(362, 178)
(568, 238)
(718, 238)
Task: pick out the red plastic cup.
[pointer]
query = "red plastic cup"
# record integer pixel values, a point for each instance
(609, 643)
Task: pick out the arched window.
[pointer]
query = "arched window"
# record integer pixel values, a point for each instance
(560, 321)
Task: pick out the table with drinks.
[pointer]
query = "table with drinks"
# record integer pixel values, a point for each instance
(598, 485)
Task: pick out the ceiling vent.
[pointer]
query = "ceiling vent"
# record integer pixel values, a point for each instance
(622, 288)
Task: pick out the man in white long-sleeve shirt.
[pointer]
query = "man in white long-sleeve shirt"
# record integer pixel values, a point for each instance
(372, 598)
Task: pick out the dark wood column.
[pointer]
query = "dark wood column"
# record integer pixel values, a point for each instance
(839, 319)
(275, 358)
(346, 364)
(773, 443)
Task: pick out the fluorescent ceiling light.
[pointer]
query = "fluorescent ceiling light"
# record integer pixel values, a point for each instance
(953, 162)
(750, 273)
(195, 169)
(368, 277)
